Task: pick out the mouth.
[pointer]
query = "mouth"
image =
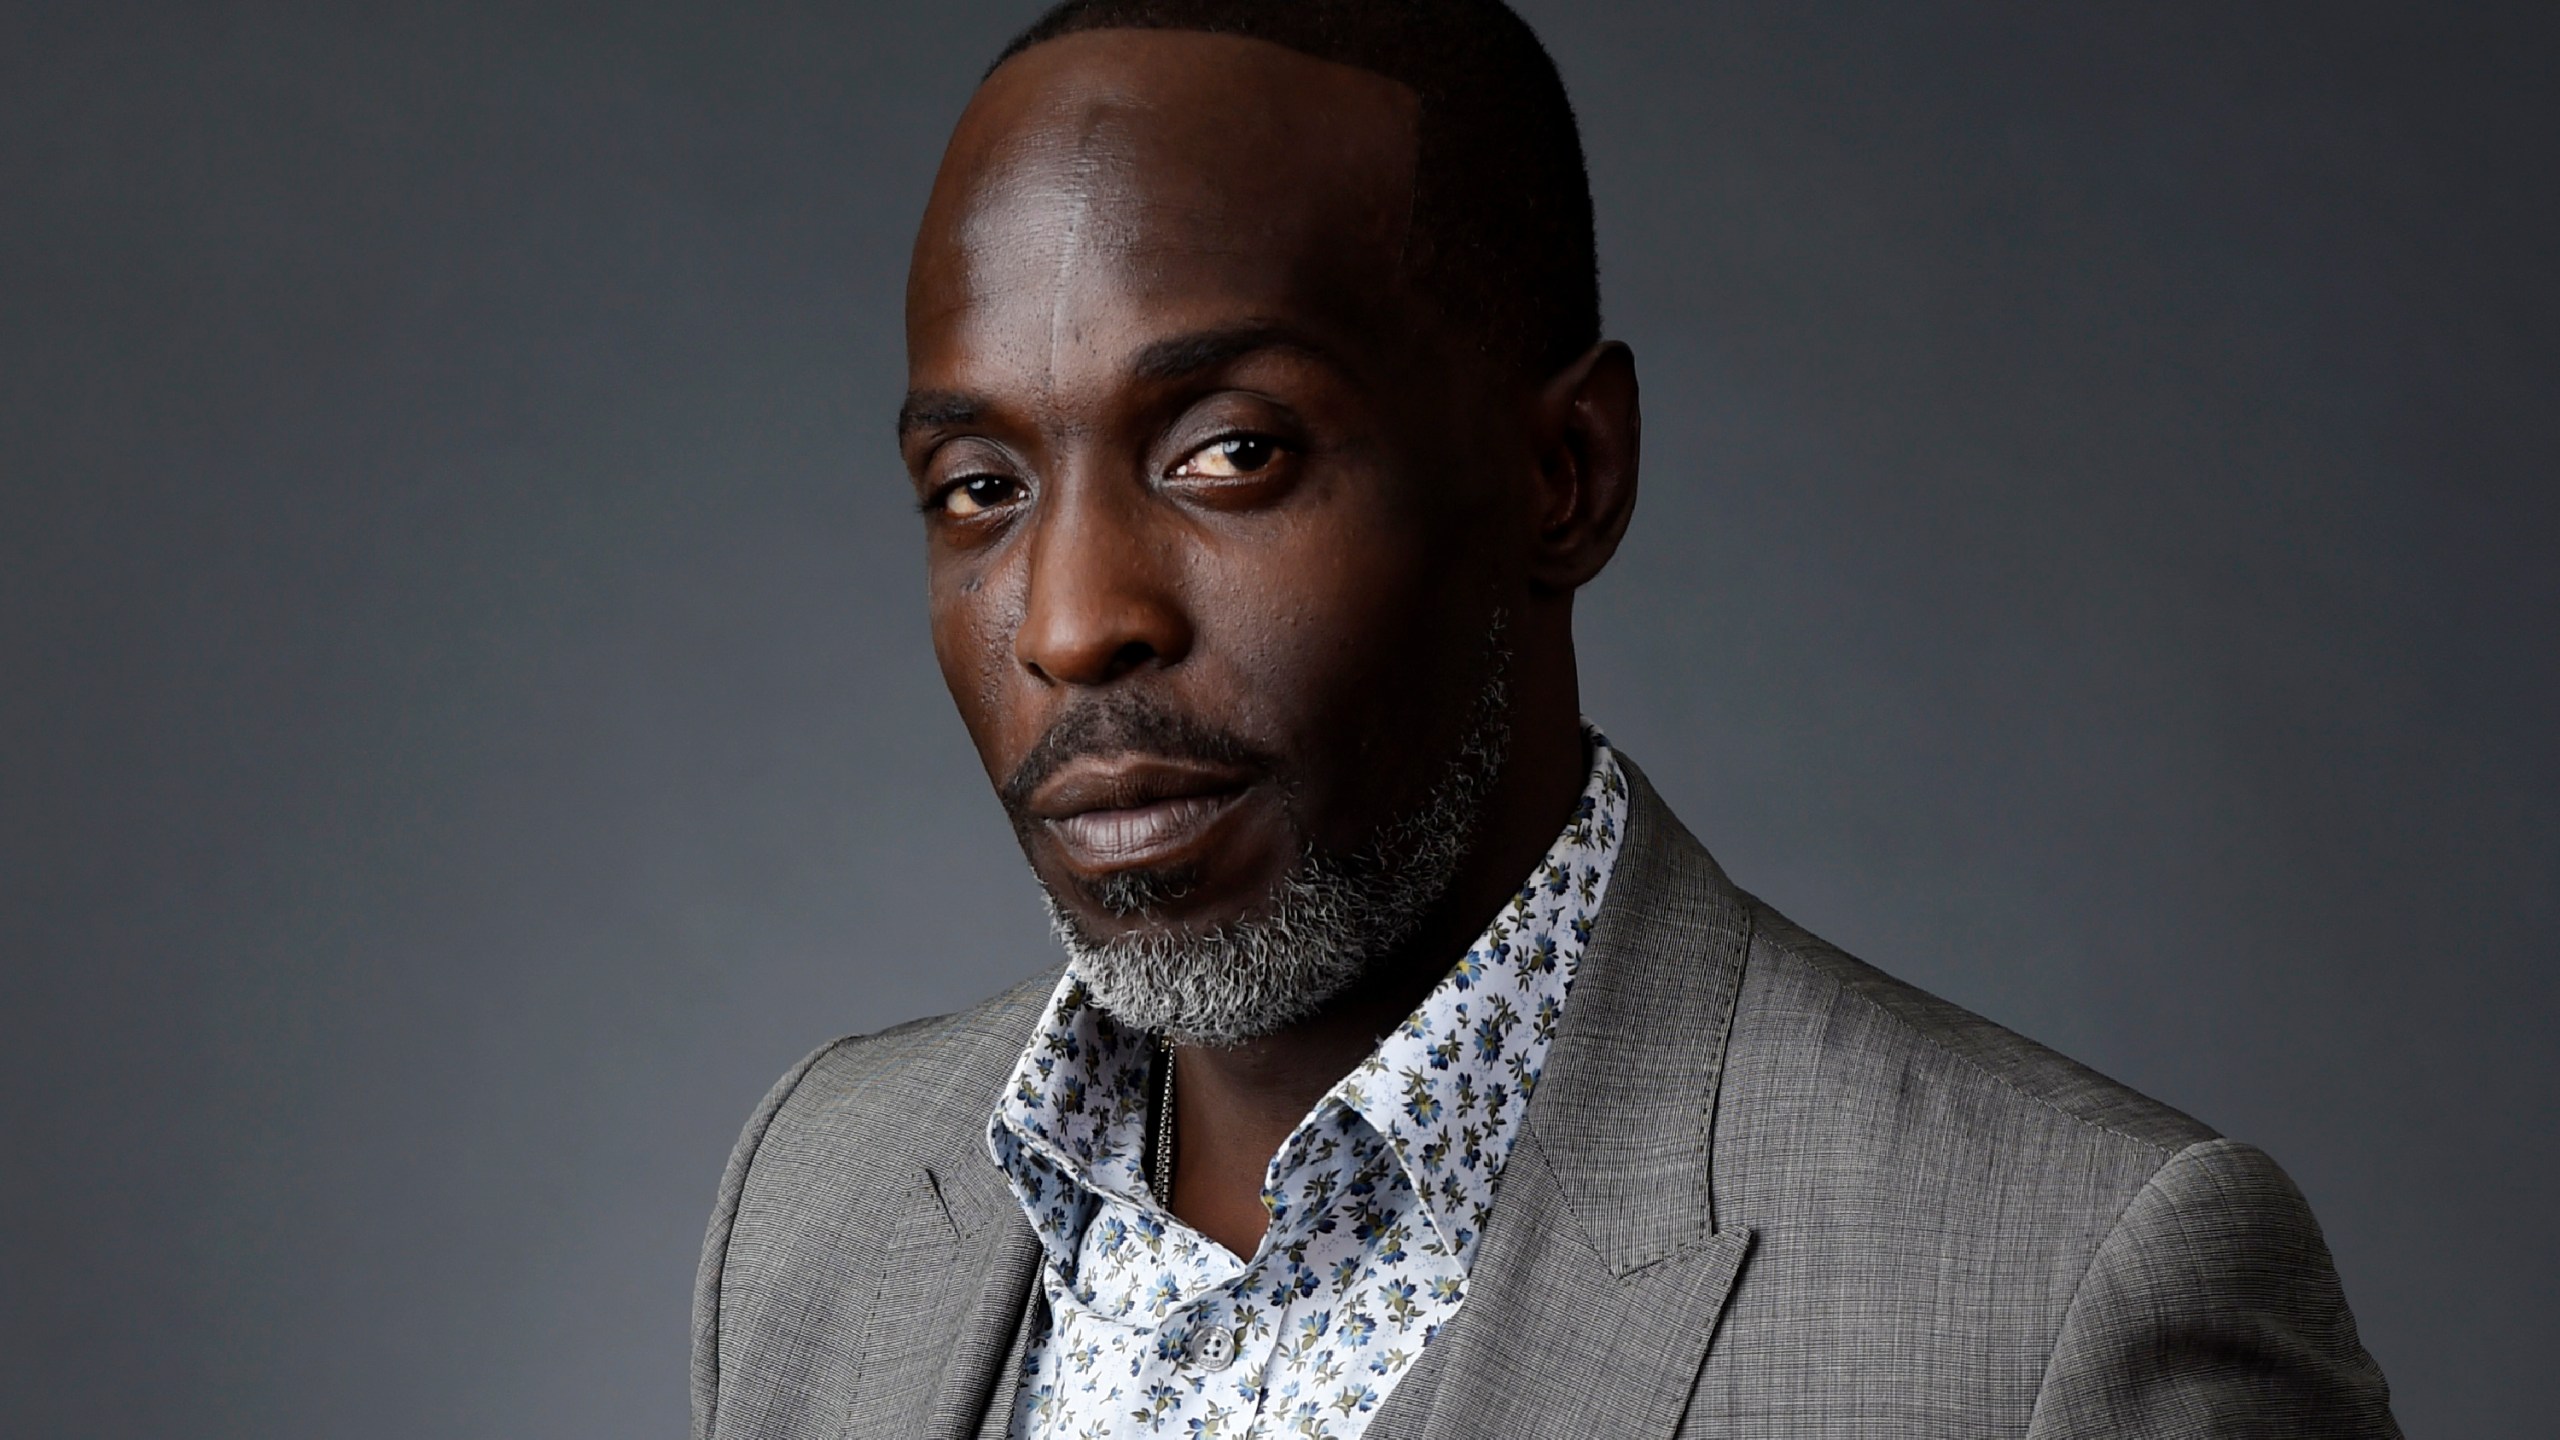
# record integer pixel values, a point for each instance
(1135, 811)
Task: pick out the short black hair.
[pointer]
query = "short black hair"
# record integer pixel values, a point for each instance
(1502, 232)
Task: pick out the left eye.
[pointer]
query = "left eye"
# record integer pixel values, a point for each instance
(1232, 458)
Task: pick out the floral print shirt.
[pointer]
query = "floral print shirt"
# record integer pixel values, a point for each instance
(1376, 1200)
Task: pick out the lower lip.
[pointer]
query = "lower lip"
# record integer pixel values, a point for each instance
(1141, 834)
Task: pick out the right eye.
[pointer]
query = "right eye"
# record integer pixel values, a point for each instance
(963, 498)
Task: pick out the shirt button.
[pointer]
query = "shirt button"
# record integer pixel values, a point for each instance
(1213, 1347)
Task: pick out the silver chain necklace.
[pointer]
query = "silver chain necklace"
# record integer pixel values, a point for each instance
(1161, 1174)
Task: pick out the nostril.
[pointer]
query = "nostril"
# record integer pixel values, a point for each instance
(1130, 656)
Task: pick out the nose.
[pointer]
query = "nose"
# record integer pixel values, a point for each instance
(1102, 600)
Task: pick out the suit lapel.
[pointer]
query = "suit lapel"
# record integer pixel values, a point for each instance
(954, 1295)
(1602, 1273)
(941, 1341)
(987, 1364)
(1552, 1341)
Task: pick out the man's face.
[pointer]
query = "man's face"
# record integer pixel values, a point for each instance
(1206, 503)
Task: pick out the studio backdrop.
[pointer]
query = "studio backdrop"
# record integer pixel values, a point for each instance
(466, 720)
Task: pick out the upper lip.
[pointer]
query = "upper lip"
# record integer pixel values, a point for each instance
(1124, 782)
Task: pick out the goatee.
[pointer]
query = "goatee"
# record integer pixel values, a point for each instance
(1321, 928)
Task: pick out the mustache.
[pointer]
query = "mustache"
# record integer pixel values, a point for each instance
(1121, 725)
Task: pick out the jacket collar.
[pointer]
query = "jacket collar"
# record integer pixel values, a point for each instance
(1624, 1113)
(1603, 1272)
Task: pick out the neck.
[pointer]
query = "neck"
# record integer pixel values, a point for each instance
(1234, 1106)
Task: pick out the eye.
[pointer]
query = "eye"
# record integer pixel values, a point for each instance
(1230, 457)
(963, 498)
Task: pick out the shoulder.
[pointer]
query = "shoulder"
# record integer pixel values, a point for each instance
(1864, 1125)
(1830, 1056)
(1830, 1020)
(2053, 1243)
(2051, 1246)
(2042, 1240)
(837, 1143)
(825, 1169)
(905, 1093)
(1910, 1114)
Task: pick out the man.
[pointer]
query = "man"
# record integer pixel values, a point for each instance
(1413, 1071)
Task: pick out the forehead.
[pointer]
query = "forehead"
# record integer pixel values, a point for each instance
(1109, 187)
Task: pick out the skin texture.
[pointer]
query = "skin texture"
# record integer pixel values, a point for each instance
(1188, 442)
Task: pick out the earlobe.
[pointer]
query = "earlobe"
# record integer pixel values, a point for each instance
(1590, 440)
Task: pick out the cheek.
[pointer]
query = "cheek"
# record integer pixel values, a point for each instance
(1377, 591)
(971, 616)
(1351, 642)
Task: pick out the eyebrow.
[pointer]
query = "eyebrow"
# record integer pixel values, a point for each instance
(938, 410)
(1182, 356)
(1165, 361)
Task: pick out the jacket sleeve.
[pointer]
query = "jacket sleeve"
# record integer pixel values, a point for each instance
(2212, 1309)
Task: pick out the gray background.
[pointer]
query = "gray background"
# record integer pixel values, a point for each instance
(467, 724)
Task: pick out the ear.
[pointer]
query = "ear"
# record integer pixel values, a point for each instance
(1589, 432)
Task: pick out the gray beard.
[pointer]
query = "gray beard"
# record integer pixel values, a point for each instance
(1325, 923)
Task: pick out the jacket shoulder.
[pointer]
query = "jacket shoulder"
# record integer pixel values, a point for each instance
(824, 1170)
(1923, 1183)
(909, 1088)
(1905, 1034)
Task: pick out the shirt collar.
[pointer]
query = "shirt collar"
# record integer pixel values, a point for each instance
(1446, 1089)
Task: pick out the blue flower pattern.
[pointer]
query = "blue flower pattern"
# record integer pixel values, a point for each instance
(1376, 1200)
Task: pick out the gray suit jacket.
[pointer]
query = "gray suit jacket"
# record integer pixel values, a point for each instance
(1763, 1190)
